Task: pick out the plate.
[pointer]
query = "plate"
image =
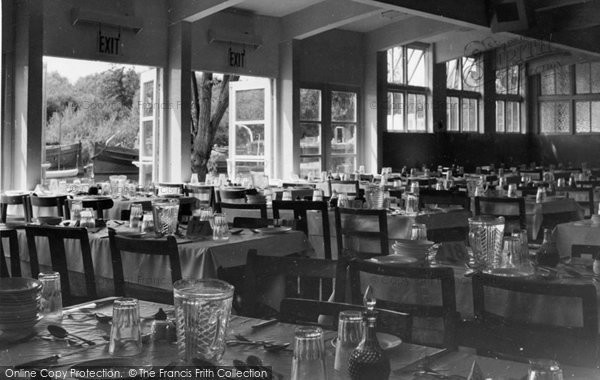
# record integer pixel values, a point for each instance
(14, 285)
(394, 259)
(273, 230)
(508, 272)
(386, 341)
(235, 231)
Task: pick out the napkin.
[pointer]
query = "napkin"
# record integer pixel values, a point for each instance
(476, 372)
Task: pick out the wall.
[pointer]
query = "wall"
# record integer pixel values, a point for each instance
(567, 149)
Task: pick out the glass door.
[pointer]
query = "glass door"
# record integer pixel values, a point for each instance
(149, 126)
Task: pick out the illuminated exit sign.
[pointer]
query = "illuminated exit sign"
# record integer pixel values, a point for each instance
(108, 44)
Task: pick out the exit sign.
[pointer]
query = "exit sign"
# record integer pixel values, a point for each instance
(109, 44)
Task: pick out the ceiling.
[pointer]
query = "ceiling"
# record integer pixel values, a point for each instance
(275, 8)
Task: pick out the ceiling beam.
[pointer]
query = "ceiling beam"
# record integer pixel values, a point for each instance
(546, 5)
(191, 11)
(324, 16)
(574, 17)
(472, 13)
(581, 41)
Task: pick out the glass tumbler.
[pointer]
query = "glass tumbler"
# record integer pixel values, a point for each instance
(350, 329)
(202, 310)
(51, 300)
(418, 231)
(87, 218)
(135, 215)
(412, 203)
(308, 360)
(147, 222)
(220, 227)
(486, 234)
(76, 207)
(165, 213)
(544, 370)
(125, 332)
(512, 190)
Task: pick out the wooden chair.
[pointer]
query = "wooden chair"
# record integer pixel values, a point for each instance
(350, 226)
(205, 195)
(304, 311)
(351, 188)
(152, 247)
(261, 207)
(444, 275)
(15, 259)
(588, 184)
(305, 278)
(510, 336)
(231, 196)
(511, 219)
(300, 209)
(57, 202)
(366, 177)
(56, 239)
(583, 196)
(243, 222)
(445, 198)
(98, 205)
(585, 249)
(17, 199)
(163, 189)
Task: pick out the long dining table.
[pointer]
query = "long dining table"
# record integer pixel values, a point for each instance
(406, 360)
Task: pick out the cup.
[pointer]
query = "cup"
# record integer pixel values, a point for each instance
(147, 222)
(544, 370)
(135, 215)
(165, 213)
(202, 310)
(512, 191)
(412, 203)
(51, 297)
(308, 361)
(350, 330)
(418, 231)
(317, 195)
(87, 218)
(486, 236)
(76, 207)
(343, 200)
(125, 332)
(220, 227)
(287, 195)
(523, 259)
(511, 253)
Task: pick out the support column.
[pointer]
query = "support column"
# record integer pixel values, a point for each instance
(287, 139)
(175, 137)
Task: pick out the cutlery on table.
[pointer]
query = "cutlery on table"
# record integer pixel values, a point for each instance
(100, 303)
(53, 360)
(60, 332)
(264, 324)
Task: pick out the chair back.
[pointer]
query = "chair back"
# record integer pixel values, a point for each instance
(585, 249)
(57, 202)
(442, 275)
(15, 259)
(300, 209)
(512, 209)
(305, 278)
(223, 207)
(244, 222)
(516, 337)
(583, 196)
(17, 199)
(356, 225)
(535, 175)
(205, 195)
(97, 204)
(444, 198)
(152, 247)
(301, 193)
(169, 189)
(56, 239)
(231, 196)
(351, 188)
(305, 311)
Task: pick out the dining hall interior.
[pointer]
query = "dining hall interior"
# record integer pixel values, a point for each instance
(304, 189)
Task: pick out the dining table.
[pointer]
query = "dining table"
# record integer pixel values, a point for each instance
(581, 232)
(407, 360)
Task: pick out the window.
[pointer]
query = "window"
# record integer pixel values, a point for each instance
(510, 103)
(406, 89)
(463, 87)
(328, 130)
(569, 99)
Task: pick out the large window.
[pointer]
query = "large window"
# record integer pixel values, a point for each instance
(464, 77)
(406, 88)
(569, 99)
(510, 105)
(328, 130)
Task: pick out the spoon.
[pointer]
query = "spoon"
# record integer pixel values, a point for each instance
(60, 332)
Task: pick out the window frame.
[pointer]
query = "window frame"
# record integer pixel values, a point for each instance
(516, 98)
(405, 89)
(462, 94)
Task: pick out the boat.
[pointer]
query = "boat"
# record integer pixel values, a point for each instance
(62, 157)
(65, 173)
(114, 160)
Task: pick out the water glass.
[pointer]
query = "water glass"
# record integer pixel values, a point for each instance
(308, 360)
(76, 207)
(418, 231)
(412, 203)
(486, 236)
(343, 200)
(287, 195)
(165, 213)
(220, 227)
(51, 299)
(317, 195)
(350, 330)
(512, 191)
(544, 370)
(414, 188)
(511, 254)
(87, 218)
(202, 310)
(125, 332)
(147, 222)
(135, 215)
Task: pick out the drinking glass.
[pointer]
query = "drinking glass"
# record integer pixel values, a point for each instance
(486, 234)
(165, 216)
(220, 227)
(125, 332)
(418, 231)
(375, 196)
(286, 196)
(414, 188)
(87, 218)
(512, 190)
(317, 195)
(76, 207)
(544, 370)
(308, 360)
(523, 259)
(350, 330)
(147, 222)
(135, 215)
(51, 300)
(202, 310)
(343, 200)
(412, 203)
(511, 254)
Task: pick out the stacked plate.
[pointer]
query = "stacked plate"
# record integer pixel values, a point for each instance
(256, 199)
(20, 299)
(412, 248)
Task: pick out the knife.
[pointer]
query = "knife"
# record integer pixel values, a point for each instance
(50, 360)
(416, 365)
(99, 303)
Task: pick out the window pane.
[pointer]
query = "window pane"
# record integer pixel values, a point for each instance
(563, 80)
(343, 164)
(249, 166)
(513, 80)
(395, 65)
(595, 117)
(509, 117)
(501, 78)
(522, 81)
(469, 115)
(472, 74)
(310, 104)
(582, 78)
(452, 75)
(249, 139)
(411, 112)
(416, 67)
(421, 112)
(148, 98)
(310, 139)
(595, 71)
(547, 115)
(343, 106)
(563, 117)
(582, 117)
(310, 166)
(547, 81)
(452, 113)
(516, 126)
(344, 139)
(499, 115)
(148, 138)
(250, 105)
(395, 116)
